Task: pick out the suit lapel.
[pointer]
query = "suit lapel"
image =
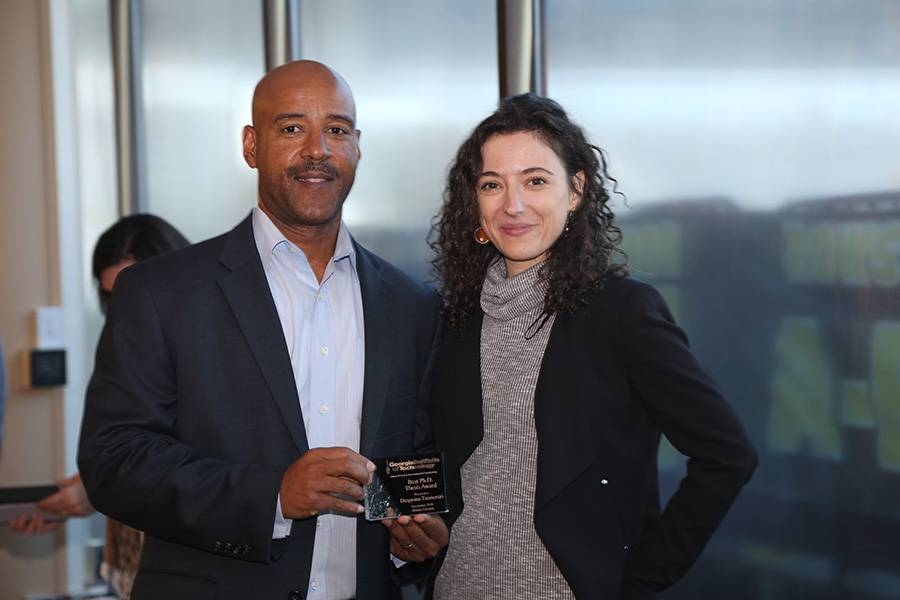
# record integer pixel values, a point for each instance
(464, 411)
(378, 319)
(247, 292)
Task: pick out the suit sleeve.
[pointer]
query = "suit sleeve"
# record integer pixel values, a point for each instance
(134, 462)
(689, 408)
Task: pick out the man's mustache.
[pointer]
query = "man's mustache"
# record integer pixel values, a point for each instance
(313, 166)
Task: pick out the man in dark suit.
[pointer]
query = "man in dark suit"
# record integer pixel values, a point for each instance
(242, 384)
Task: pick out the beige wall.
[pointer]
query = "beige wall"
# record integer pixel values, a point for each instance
(31, 451)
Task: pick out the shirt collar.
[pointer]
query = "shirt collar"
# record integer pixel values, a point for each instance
(268, 237)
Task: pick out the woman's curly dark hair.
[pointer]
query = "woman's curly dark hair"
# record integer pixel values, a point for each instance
(578, 261)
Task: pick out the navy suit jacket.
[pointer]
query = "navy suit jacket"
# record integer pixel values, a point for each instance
(613, 376)
(192, 416)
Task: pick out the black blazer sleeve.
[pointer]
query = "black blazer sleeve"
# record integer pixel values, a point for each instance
(683, 400)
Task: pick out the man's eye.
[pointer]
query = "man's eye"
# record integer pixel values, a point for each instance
(291, 129)
(337, 130)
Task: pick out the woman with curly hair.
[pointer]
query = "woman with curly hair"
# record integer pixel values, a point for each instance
(557, 376)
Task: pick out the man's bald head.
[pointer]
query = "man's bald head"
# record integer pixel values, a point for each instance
(293, 78)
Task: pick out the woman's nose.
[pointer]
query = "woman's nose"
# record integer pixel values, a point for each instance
(513, 204)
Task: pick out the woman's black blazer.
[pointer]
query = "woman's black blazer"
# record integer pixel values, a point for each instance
(614, 375)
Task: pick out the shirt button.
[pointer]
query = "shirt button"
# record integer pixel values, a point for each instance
(318, 523)
(323, 350)
(604, 481)
(323, 409)
(319, 296)
(314, 585)
(293, 250)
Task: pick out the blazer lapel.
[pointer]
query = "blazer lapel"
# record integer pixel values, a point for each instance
(457, 403)
(565, 438)
(565, 447)
(247, 293)
(465, 411)
(378, 319)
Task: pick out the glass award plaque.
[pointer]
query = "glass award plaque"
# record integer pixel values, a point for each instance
(410, 484)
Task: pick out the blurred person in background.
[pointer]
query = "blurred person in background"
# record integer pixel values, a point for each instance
(130, 240)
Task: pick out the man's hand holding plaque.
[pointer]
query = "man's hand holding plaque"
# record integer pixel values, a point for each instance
(405, 493)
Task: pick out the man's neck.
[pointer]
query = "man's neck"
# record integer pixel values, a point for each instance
(316, 241)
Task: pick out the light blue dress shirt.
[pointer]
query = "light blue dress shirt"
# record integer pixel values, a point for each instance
(323, 330)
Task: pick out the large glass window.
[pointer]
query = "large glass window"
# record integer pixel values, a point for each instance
(757, 142)
(200, 61)
(423, 75)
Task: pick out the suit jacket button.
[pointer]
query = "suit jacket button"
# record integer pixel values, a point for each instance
(227, 547)
(217, 546)
(295, 595)
(246, 549)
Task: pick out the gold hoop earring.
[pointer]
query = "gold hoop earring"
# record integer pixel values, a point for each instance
(481, 237)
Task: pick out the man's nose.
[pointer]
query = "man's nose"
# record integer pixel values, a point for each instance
(315, 146)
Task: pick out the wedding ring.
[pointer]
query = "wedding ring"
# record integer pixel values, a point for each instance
(411, 544)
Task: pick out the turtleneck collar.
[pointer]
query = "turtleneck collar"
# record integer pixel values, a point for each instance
(504, 298)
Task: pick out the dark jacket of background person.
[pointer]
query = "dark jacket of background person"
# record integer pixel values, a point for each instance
(192, 417)
(612, 376)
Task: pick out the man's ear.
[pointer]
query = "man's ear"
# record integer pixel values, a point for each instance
(249, 138)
